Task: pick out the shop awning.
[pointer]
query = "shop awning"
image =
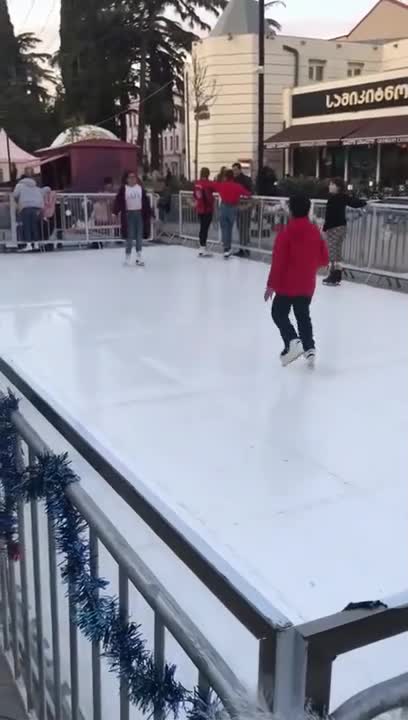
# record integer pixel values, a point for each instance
(381, 130)
(315, 134)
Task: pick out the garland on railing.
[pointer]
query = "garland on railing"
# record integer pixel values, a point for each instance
(96, 613)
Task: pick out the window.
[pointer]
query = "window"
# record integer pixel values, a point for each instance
(316, 70)
(355, 69)
(171, 143)
(165, 144)
(177, 143)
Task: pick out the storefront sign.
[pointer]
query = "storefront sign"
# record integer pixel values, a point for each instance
(351, 99)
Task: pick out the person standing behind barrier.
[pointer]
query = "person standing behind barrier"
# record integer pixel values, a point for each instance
(230, 193)
(30, 203)
(132, 204)
(204, 204)
(244, 214)
(335, 227)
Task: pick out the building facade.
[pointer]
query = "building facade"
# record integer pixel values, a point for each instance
(173, 143)
(230, 56)
(355, 128)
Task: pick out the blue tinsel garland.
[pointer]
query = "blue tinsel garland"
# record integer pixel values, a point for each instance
(96, 613)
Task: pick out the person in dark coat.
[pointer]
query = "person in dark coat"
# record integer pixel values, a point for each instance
(133, 205)
(244, 213)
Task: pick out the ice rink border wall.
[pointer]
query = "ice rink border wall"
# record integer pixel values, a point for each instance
(295, 663)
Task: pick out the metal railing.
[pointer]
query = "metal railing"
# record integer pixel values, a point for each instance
(294, 663)
(46, 694)
(376, 241)
(80, 220)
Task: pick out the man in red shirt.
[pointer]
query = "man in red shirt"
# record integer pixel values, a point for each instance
(230, 193)
(204, 203)
(298, 254)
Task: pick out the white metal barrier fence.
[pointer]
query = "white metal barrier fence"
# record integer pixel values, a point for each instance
(376, 237)
(79, 220)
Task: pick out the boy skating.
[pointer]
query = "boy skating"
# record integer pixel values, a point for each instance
(298, 254)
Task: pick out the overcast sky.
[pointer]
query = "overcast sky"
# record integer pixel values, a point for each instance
(315, 18)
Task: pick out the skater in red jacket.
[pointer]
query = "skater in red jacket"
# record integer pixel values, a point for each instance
(204, 203)
(298, 254)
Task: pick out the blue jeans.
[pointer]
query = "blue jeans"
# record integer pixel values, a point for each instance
(134, 231)
(228, 215)
(30, 219)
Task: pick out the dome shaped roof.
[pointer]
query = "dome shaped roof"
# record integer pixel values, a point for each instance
(82, 132)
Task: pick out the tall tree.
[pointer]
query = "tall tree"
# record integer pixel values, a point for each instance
(25, 102)
(152, 17)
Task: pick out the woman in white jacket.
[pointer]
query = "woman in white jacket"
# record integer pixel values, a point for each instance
(30, 203)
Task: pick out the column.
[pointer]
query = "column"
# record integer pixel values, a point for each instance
(346, 162)
(317, 173)
(378, 166)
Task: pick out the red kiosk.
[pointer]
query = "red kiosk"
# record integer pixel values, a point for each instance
(82, 166)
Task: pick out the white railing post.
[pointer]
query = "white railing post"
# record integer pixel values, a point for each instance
(86, 219)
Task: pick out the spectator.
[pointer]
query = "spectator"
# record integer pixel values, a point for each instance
(230, 193)
(204, 204)
(244, 214)
(30, 203)
(48, 215)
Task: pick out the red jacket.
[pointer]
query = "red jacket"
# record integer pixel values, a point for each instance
(204, 197)
(230, 192)
(298, 254)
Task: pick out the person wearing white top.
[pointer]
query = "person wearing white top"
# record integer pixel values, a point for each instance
(133, 201)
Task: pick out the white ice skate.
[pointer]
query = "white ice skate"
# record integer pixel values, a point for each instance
(139, 259)
(294, 352)
(204, 253)
(128, 261)
(310, 357)
(227, 254)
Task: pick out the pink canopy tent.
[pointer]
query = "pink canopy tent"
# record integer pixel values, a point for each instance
(20, 158)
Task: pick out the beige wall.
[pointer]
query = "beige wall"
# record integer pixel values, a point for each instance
(231, 132)
(386, 21)
(395, 55)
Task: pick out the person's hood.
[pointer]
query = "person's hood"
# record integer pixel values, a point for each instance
(28, 182)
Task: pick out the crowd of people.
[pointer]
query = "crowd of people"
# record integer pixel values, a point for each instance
(300, 248)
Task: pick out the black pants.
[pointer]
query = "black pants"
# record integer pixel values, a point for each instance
(281, 308)
(205, 222)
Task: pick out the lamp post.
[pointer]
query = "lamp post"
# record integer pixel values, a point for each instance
(261, 84)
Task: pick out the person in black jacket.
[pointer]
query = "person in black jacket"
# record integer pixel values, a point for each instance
(335, 226)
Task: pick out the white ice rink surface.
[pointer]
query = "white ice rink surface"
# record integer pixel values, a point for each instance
(298, 478)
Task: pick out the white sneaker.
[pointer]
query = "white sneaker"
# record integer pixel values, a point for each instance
(203, 252)
(139, 259)
(294, 352)
(227, 254)
(128, 261)
(310, 357)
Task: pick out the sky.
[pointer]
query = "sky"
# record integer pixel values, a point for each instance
(313, 18)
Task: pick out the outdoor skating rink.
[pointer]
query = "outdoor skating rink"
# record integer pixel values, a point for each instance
(297, 478)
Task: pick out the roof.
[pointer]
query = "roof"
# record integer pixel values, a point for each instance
(17, 154)
(314, 134)
(82, 132)
(383, 130)
(86, 144)
(240, 17)
(348, 132)
(367, 15)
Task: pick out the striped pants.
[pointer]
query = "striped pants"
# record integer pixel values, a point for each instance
(335, 239)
